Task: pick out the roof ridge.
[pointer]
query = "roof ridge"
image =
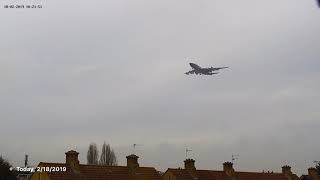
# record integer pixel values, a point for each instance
(258, 172)
(97, 165)
(52, 163)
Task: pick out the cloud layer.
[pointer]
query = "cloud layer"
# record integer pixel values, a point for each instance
(77, 72)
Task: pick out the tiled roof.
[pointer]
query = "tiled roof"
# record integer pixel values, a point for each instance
(306, 177)
(97, 172)
(183, 174)
(260, 176)
(180, 173)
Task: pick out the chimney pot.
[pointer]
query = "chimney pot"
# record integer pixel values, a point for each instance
(227, 165)
(286, 171)
(132, 161)
(228, 169)
(189, 164)
(286, 168)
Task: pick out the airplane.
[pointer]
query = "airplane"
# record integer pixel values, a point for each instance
(196, 69)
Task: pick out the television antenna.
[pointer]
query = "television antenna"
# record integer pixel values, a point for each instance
(234, 157)
(26, 160)
(187, 151)
(134, 148)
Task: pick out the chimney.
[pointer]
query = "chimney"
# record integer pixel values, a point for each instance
(190, 167)
(228, 169)
(286, 171)
(132, 161)
(313, 173)
(189, 164)
(72, 160)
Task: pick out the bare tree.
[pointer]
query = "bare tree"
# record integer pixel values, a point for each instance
(108, 156)
(92, 154)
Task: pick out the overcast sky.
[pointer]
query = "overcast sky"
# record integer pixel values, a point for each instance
(76, 72)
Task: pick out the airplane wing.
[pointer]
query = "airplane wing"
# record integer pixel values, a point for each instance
(190, 72)
(215, 69)
(212, 73)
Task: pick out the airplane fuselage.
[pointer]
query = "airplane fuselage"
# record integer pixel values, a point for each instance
(200, 70)
(196, 69)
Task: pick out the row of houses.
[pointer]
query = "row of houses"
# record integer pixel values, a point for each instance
(73, 170)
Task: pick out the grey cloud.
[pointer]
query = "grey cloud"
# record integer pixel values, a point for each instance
(78, 72)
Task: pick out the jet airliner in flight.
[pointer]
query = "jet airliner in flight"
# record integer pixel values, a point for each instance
(196, 69)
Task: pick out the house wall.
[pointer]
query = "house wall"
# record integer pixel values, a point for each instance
(40, 176)
(168, 176)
